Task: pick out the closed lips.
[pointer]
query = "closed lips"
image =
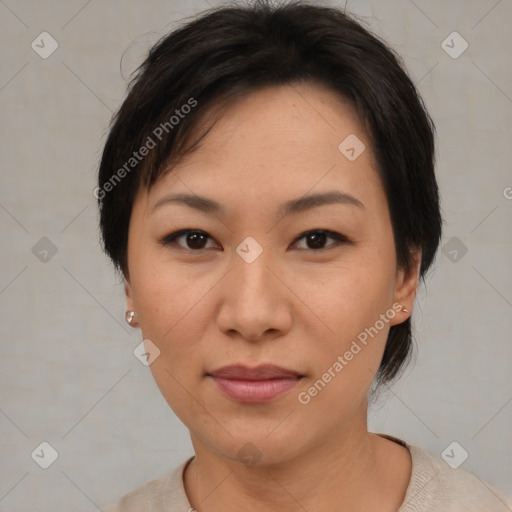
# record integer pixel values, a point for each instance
(254, 385)
(262, 372)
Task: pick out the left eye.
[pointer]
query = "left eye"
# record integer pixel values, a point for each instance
(197, 239)
(319, 237)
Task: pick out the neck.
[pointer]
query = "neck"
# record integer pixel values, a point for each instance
(348, 469)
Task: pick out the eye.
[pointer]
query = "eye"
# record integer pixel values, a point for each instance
(196, 239)
(318, 237)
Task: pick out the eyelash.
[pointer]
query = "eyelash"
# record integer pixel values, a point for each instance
(340, 239)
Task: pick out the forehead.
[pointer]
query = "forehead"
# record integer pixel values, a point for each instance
(276, 143)
(304, 115)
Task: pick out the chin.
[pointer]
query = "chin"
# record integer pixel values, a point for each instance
(255, 447)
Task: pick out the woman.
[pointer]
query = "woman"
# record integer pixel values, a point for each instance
(267, 191)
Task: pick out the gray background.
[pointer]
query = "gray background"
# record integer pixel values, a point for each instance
(68, 373)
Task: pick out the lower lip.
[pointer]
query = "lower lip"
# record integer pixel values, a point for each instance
(255, 391)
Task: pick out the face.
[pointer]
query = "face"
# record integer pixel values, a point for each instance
(312, 288)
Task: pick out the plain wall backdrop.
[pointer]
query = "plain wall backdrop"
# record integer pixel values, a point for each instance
(67, 369)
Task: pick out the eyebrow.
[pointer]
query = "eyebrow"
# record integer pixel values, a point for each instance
(293, 206)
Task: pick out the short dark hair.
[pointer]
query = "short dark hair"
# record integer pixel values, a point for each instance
(233, 50)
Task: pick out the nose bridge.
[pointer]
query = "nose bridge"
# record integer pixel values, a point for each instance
(253, 300)
(253, 276)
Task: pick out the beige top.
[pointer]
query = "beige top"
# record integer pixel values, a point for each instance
(434, 486)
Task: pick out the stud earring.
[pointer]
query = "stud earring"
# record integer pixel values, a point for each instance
(405, 310)
(129, 316)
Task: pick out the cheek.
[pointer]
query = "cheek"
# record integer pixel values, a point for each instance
(345, 366)
(163, 294)
(350, 296)
(351, 338)
(174, 310)
(176, 378)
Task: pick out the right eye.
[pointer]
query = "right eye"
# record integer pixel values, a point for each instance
(195, 239)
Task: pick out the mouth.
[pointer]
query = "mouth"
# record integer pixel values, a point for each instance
(261, 384)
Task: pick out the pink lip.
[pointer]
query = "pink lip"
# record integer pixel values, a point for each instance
(255, 385)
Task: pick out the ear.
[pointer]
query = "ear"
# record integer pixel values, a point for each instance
(129, 300)
(406, 287)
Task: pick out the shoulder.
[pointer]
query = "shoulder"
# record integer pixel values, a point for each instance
(434, 485)
(165, 494)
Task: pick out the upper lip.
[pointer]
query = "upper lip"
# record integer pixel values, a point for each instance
(261, 372)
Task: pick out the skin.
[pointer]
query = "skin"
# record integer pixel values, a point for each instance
(296, 306)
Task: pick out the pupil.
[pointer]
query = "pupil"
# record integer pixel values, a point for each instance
(194, 239)
(318, 239)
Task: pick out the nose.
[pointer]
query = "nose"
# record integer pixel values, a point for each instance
(255, 303)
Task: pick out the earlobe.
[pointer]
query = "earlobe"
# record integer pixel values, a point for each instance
(130, 314)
